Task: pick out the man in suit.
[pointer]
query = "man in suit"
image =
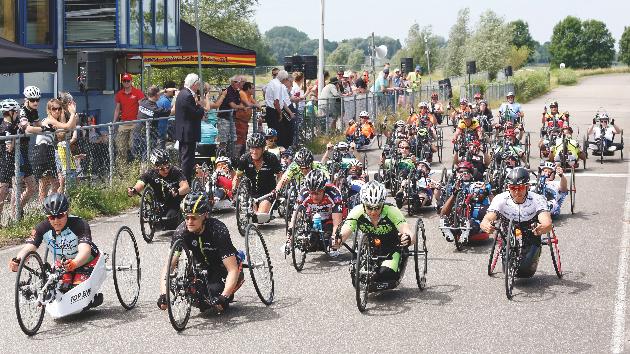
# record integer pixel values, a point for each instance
(188, 114)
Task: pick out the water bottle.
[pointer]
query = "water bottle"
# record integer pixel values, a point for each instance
(317, 222)
(241, 255)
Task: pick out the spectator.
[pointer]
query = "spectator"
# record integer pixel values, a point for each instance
(67, 147)
(10, 109)
(273, 95)
(225, 123)
(189, 110)
(206, 148)
(415, 80)
(366, 77)
(244, 116)
(298, 92)
(285, 125)
(274, 73)
(328, 101)
(126, 110)
(28, 122)
(149, 109)
(166, 102)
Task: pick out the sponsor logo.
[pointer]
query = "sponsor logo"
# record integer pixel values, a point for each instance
(80, 296)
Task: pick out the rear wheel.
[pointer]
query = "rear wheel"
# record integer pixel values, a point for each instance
(572, 190)
(126, 268)
(259, 264)
(243, 207)
(300, 239)
(30, 279)
(179, 282)
(148, 215)
(420, 255)
(362, 272)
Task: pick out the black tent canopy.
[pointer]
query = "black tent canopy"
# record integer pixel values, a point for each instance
(15, 58)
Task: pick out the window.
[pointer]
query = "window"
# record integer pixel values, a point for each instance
(38, 22)
(173, 23)
(134, 22)
(90, 22)
(160, 21)
(7, 20)
(147, 13)
(122, 21)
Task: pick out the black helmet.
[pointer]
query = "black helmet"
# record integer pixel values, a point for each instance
(337, 155)
(56, 204)
(159, 157)
(304, 158)
(196, 203)
(287, 152)
(315, 180)
(518, 176)
(256, 140)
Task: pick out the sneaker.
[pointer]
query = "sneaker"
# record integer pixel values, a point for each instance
(612, 148)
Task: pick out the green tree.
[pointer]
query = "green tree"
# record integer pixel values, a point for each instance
(521, 37)
(311, 47)
(455, 49)
(597, 45)
(518, 56)
(356, 59)
(489, 46)
(340, 55)
(565, 44)
(541, 52)
(624, 46)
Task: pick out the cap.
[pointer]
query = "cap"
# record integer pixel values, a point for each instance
(396, 70)
(340, 72)
(418, 68)
(347, 73)
(333, 80)
(127, 76)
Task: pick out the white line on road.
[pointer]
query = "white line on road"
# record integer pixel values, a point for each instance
(577, 175)
(619, 319)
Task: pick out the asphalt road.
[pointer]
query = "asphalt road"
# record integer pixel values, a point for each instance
(461, 310)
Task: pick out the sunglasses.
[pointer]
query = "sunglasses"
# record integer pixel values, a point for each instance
(316, 192)
(126, 81)
(405, 147)
(54, 217)
(194, 217)
(372, 208)
(304, 168)
(517, 188)
(33, 99)
(56, 109)
(163, 167)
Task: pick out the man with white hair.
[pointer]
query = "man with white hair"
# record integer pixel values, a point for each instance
(274, 99)
(225, 123)
(188, 114)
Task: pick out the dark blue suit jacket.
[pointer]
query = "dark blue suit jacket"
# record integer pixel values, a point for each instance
(187, 117)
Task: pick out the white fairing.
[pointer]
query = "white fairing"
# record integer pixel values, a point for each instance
(79, 297)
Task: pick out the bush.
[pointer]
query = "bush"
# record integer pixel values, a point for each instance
(530, 84)
(566, 76)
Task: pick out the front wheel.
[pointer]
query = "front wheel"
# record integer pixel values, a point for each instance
(495, 253)
(243, 205)
(179, 283)
(362, 272)
(259, 264)
(126, 268)
(552, 241)
(148, 215)
(420, 255)
(511, 254)
(31, 277)
(300, 239)
(572, 190)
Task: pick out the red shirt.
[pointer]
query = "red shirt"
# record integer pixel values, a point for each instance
(129, 103)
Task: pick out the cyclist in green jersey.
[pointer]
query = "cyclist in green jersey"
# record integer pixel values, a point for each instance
(384, 222)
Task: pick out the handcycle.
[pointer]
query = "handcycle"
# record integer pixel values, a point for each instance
(365, 262)
(601, 148)
(306, 238)
(508, 243)
(187, 282)
(459, 218)
(244, 203)
(151, 211)
(38, 284)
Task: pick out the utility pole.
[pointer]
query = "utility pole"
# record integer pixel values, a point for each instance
(320, 69)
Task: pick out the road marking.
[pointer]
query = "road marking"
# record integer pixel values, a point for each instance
(609, 175)
(619, 319)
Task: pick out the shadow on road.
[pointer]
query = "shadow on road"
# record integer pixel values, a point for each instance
(547, 286)
(562, 219)
(401, 300)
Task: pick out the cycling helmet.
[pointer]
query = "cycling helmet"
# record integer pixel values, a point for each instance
(256, 140)
(510, 133)
(463, 101)
(425, 164)
(336, 155)
(603, 116)
(434, 95)
(423, 105)
(475, 144)
(517, 176)
(287, 152)
(400, 124)
(483, 102)
(271, 133)
(56, 204)
(510, 94)
(373, 194)
(478, 95)
(465, 165)
(223, 159)
(32, 92)
(547, 164)
(553, 104)
(196, 203)
(568, 128)
(467, 115)
(159, 157)
(9, 105)
(342, 146)
(356, 163)
(304, 158)
(364, 114)
(315, 180)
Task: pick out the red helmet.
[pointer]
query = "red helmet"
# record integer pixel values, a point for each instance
(510, 133)
(475, 143)
(465, 165)
(478, 95)
(509, 125)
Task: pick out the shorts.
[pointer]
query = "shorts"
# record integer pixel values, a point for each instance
(44, 164)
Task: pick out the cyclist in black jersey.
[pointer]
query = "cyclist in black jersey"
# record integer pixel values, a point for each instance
(169, 185)
(529, 213)
(386, 223)
(208, 240)
(262, 168)
(69, 240)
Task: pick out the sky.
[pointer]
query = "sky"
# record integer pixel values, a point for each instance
(359, 18)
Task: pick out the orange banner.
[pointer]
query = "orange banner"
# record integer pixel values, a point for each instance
(190, 58)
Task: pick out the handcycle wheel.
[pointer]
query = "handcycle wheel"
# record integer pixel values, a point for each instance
(259, 264)
(621, 144)
(243, 207)
(178, 296)
(147, 214)
(527, 147)
(420, 255)
(511, 255)
(362, 272)
(126, 268)
(457, 241)
(572, 190)
(552, 241)
(601, 150)
(495, 253)
(300, 239)
(379, 140)
(440, 143)
(30, 279)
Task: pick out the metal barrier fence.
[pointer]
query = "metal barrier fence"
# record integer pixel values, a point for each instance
(493, 91)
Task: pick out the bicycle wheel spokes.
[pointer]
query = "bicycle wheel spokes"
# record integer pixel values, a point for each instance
(552, 241)
(420, 255)
(242, 205)
(28, 286)
(126, 268)
(147, 214)
(495, 252)
(300, 240)
(179, 281)
(362, 272)
(259, 264)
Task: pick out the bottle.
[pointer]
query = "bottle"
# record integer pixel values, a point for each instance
(241, 255)
(317, 222)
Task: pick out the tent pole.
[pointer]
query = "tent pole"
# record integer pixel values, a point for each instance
(198, 46)
(254, 117)
(320, 71)
(60, 40)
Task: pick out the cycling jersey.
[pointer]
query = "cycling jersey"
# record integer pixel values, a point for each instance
(209, 248)
(275, 151)
(554, 196)
(524, 213)
(162, 185)
(405, 163)
(66, 243)
(609, 133)
(572, 147)
(513, 109)
(264, 180)
(391, 218)
(422, 121)
(331, 203)
(474, 125)
(294, 171)
(367, 130)
(555, 121)
(511, 149)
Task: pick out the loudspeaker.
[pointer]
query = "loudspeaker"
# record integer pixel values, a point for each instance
(446, 86)
(288, 64)
(508, 71)
(310, 67)
(406, 65)
(471, 67)
(91, 70)
(297, 63)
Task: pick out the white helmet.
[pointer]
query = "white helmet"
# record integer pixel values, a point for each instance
(342, 145)
(399, 123)
(373, 194)
(223, 159)
(356, 163)
(364, 114)
(423, 104)
(32, 92)
(9, 105)
(547, 164)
